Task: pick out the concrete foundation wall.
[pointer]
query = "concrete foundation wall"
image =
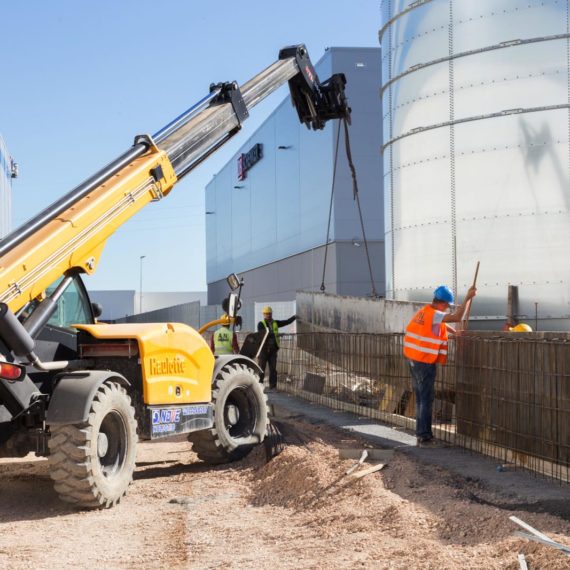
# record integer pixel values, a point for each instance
(321, 312)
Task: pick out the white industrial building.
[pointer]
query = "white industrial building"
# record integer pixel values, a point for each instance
(269, 220)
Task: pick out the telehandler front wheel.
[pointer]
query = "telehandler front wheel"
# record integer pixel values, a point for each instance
(240, 416)
(92, 463)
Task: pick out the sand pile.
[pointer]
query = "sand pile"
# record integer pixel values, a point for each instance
(407, 515)
(297, 477)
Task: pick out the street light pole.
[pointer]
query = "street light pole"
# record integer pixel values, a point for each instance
(141, 289)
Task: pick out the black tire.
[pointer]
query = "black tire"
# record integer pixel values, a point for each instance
(92, 463)
(240, 416)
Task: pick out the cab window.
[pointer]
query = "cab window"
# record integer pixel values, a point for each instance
(73, 307)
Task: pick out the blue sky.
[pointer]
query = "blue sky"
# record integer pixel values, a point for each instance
(81, 78)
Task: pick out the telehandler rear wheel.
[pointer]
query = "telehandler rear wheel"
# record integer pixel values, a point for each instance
(92, 463)
(240, 416)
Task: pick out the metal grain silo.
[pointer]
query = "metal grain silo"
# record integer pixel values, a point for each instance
(476, 126)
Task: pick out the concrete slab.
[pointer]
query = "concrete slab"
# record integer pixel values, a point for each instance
(371, 454)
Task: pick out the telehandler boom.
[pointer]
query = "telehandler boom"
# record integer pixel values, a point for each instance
(83, 393)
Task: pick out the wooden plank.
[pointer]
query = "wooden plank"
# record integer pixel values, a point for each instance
(410, 409)
(364, 472)
(391, 398)
(530, 528)
(314, 383)
(522, 562)
(548, 542)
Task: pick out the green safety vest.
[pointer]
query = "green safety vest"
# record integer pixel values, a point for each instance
(275, 330)
(223, 341)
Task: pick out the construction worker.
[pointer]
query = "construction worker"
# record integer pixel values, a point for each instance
(224, 340)
(425, 345)
(268, 354)
(521, 327)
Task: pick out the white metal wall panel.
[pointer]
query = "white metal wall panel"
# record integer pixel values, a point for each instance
(476, 151)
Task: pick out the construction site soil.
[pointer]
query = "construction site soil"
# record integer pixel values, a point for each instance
(299, 510)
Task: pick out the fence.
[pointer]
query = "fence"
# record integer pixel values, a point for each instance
(192, 314)
(507, 396)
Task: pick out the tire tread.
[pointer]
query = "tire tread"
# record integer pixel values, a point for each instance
(70, 463)
(207, 443)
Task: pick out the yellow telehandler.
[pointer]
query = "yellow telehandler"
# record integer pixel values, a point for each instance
(83, 393)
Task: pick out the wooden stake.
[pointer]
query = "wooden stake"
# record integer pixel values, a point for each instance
(512, 305)
(465, 320)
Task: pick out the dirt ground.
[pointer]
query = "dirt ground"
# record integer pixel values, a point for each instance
(300, 510)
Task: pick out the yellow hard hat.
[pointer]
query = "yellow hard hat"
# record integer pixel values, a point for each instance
(521, 327)
(267, 310)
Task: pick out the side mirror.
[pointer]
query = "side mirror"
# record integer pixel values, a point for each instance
(97, 310)
(234, 305)
(233, 281)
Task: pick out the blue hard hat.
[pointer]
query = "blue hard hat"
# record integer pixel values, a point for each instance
(443, 293)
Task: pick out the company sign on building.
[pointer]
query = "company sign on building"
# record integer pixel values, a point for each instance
(249, 159)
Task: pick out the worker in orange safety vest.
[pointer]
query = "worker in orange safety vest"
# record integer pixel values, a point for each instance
(425, 345)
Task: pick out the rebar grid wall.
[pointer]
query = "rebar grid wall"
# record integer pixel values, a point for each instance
(507, 396)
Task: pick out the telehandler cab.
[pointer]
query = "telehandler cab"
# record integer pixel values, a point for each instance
(83, 393)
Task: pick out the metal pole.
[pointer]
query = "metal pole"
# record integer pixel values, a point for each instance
(141, 288)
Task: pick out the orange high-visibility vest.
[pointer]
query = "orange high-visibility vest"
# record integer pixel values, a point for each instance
(419, 341)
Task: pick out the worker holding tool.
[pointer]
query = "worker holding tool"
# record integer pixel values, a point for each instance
(224, 340)
(425, 345)
(268, 353)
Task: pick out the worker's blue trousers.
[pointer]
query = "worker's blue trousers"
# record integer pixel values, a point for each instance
(423, 380)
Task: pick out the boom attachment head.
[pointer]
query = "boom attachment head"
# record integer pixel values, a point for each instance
(316, 102)
(229, 92)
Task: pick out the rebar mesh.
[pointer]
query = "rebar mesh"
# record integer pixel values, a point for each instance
(507, 396)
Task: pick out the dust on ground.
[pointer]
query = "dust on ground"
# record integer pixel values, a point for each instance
(300, 510)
